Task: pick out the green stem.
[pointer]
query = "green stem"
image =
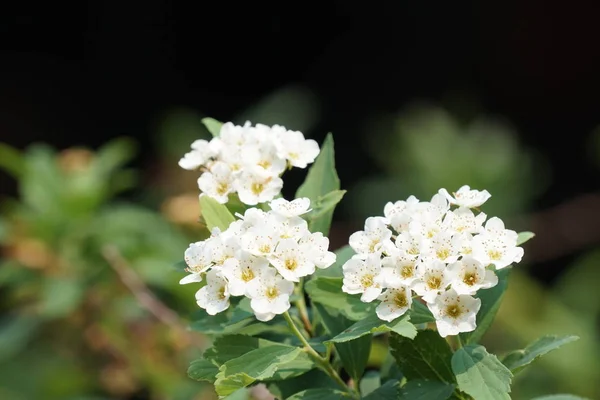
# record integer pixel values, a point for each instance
(301, 306)
(459, 342)
(321, 361)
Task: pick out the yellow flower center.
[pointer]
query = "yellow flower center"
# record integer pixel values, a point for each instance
(291, 264)
(221, 293)
(373, 244)
(470, 278)
(400, 300)
(434, 282)
(257, 188)
(272, 292)
(453, 311)
(413, 251)
(407, 271)
(247, 275)
(495, 255)
(265, 164)
(442, 254)
(264, 248)
(222, 188)
(366, 280)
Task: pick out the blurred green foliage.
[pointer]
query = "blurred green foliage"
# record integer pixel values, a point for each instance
(425, 148)
(71, 328)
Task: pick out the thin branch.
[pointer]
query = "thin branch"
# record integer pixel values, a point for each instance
(143, 294)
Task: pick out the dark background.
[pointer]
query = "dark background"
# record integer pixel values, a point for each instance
(80, 73)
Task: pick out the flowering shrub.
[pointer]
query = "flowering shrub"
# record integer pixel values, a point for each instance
(430, 275)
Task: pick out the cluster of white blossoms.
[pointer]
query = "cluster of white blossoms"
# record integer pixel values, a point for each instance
(248, 160)
(443, 254)
(259, 256)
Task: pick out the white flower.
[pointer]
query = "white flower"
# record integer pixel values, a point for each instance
(433, 279)
(468, 276)
(261, 239)
(464, 243)
(201, 153)
(316, 246)
(467, 197)
(263, 155)
(294, 227)
(222, 248)
(296, 149)
(410, 244)
(464, 220)
(240, 272)
(441, 247)
(394, 303)
(400, 213)
(269, 295)
(214, 297)
(254, 185)
(398, 270)
(217, 183)
(497, 245)
(375, 235)
(454, 313)
(289, 209)
(198, 259)
(361, 276)
(252, 217)
(290, 261)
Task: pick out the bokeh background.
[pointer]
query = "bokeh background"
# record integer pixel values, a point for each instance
(98, 100)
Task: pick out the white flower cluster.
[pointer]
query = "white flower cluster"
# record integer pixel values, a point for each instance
(248, 160)
(443, 254)
(259, 256)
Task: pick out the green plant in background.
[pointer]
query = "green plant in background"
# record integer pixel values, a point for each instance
(72, 327)
(281, 308)
(425, 147)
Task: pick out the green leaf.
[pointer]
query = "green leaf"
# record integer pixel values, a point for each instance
(426, 390)
(60, 297)
(321, 179)
(387, 391)
(203, 370)
(229, 347)
(322, 210)
(427, 357)
(16, 332)
(560, 397)
(372, 324)
(354, 355)
(213, 126)
(519, 359)
(343, 254)
(333, 320)
(523, 237)
(215, 214)
(320, 394)
(328, 291)
(313, 378)
(481, 374)
(369, 383)
(258, 364)
(11, 160)
(490, 303)
(420, 314)
(225, 322)
(297, 367)
(389, 369)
